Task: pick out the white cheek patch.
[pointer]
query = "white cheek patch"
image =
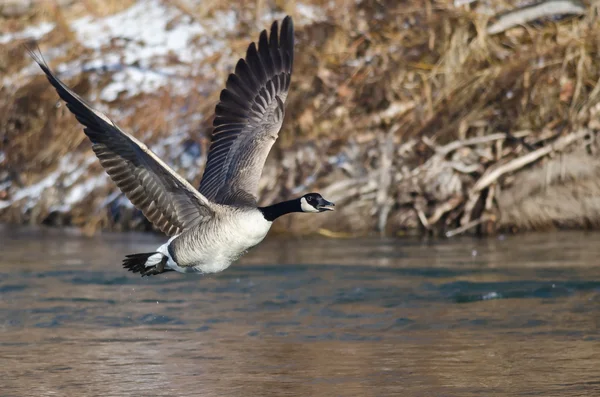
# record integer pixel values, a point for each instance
(307, 207)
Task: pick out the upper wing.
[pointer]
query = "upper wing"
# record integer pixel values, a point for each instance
(248, 117)
(166, 199)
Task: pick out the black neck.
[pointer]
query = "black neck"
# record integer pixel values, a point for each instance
(274, 211)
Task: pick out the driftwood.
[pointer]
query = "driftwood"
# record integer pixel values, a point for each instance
(468, 226)
(562, 192)
(493, 174)
(527, 14)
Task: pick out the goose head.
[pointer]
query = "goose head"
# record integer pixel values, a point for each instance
(314, 202)
(311, 202)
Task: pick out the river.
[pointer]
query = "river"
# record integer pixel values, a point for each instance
(510, 316)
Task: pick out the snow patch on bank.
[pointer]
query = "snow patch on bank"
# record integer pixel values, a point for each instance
(146, 46)
(31, 32)
(71, 176)
(154, 50)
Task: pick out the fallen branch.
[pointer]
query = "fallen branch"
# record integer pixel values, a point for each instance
(444, 150)
(384, 204)
(494, 173)
(443, 209)
(468, 226)
(466, 169)
(527, 14)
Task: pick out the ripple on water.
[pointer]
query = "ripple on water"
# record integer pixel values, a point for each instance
(6, 289)
(465, 291)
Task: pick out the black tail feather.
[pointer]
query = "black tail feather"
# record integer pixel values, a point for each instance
(136, 263)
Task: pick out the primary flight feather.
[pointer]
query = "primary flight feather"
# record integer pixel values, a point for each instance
(213, 226)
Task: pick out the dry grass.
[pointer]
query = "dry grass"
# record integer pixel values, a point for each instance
(381, 87)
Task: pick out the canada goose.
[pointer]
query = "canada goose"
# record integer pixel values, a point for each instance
(213, 226)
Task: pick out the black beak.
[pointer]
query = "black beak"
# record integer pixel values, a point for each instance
(324, 205)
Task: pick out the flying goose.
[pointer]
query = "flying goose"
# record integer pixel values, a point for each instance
(213, 226)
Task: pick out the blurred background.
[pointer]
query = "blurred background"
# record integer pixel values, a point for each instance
(436, 117)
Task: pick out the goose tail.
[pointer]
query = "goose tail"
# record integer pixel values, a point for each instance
(147, 264)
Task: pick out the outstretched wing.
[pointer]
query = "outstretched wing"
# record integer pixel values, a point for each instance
(166, 199)
(248, 118)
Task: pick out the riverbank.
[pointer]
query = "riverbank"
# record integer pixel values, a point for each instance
(413, 118)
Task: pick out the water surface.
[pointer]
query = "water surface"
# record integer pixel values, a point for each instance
(514, 316)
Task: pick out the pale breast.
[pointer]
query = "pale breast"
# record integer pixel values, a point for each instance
(217, 244)
(251, 227)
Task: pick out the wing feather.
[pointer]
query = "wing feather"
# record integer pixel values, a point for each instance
(165, 198)
(248, 117)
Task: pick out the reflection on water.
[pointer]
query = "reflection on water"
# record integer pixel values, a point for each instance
(311, 317)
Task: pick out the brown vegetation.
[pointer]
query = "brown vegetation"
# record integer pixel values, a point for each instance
(408, 115)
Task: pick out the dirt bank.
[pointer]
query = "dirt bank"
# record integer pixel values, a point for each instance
(414, 117)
